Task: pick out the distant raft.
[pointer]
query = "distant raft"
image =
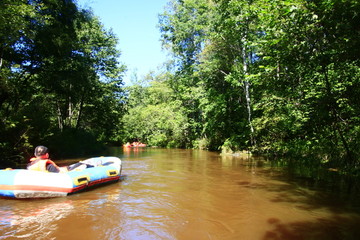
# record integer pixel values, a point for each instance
(22, 183)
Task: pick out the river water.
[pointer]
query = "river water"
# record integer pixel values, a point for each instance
(185, 195)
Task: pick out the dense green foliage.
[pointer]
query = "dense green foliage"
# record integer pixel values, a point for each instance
(60, 81)
(279, 77)
(155, 116)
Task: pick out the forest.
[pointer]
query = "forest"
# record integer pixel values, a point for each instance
(273, 77)
(60, 80)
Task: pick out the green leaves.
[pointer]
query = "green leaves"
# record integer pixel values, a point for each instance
(59, 68)
(289, 67)
(155, 117)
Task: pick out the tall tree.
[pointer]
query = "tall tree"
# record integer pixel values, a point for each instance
(59, 70)
(283, 72)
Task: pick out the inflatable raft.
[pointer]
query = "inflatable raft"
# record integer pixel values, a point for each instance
(22, 183)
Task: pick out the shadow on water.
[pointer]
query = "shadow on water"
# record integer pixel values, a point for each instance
(190, 194)
(325, 204)
(310, 190)
(329, 229)
(343, 223)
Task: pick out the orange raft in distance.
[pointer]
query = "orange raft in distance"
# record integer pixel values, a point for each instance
(134, 145)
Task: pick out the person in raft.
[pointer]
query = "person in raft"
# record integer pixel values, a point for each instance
(42, 162)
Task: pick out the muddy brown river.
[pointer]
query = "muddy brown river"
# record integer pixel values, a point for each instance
(186, 195)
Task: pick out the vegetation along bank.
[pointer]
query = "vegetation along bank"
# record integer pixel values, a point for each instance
(278, 77)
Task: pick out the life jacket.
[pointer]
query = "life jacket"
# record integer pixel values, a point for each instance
(39, 164)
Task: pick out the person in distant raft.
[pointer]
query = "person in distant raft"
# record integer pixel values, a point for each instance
(41, 161)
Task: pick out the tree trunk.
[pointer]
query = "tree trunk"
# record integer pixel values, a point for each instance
(247, 89)
(70, 109)
(59, 117)
(1, 56)
(80, 110)
(336, 117)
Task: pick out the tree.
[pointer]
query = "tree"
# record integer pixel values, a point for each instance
(59, 73)
(277, 77)
(301, 103)
(154, 115)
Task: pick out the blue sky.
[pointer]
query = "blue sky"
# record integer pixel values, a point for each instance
(134, 22)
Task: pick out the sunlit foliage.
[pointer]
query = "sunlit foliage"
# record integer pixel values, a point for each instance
(59, 74)
(278, 77)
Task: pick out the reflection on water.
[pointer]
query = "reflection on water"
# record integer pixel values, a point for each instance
(186, 194)
(25, 219)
